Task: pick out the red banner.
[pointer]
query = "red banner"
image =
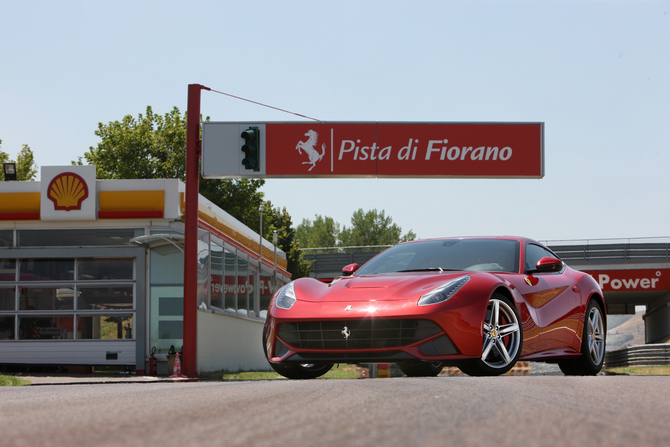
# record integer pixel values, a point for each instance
(404, 150)
(632, 280)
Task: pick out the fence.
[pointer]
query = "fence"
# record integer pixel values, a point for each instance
(642, 355)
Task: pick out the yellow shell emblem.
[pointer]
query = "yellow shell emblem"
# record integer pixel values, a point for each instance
(67, 191)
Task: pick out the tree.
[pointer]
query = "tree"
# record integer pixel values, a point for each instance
(280, 220)
(154, 146)
(372, 228)
(25, 164)
(322, 232)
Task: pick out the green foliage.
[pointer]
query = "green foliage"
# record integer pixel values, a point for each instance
(154, 146)
(322, 232)
(337, 372)
(151, 146)
(372, 228)
(367, 229)
(281, 221)
(240, 198)
(25, 164)
(12, 381)
(660, 370)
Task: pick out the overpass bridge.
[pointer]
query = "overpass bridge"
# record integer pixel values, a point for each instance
(631, 272)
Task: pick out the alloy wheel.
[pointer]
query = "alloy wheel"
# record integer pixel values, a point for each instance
(502, 338)
(596, 335)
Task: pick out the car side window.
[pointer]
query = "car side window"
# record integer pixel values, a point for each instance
(533, 254)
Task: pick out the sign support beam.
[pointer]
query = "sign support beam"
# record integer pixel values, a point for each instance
(189, 365)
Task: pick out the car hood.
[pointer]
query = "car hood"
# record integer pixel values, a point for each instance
(381, 287)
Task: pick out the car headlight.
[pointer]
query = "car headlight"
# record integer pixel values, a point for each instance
(286, 296)
(444, 292)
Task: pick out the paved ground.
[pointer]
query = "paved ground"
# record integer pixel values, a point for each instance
(76, 379)
(448, 410)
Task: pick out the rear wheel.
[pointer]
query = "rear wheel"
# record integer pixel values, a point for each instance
(301, 371)
(423, 369)
(593, 345)
(503, 337)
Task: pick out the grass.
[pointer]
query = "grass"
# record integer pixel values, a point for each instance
(12, 381)
(338, 372)
(640, 370)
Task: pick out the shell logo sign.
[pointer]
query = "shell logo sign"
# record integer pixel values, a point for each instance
(67, 191)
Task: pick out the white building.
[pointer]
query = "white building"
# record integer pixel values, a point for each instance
(91, 273)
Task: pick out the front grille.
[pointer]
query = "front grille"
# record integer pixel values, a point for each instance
(369, 333)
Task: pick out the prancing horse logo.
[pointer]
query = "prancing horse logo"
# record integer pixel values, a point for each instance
(346, 333)
(310, 150)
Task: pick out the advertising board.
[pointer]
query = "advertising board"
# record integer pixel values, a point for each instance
(410, 150)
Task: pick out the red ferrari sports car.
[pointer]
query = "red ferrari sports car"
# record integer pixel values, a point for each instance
(479, 303)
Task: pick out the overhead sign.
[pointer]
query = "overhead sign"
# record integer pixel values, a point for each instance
(304, 149)
(644, 280)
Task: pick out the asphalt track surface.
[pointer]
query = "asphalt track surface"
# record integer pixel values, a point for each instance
(452, 411)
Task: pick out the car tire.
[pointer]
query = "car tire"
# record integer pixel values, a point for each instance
(297, 371)
(593, 344)
(423, 369)
(502, 341)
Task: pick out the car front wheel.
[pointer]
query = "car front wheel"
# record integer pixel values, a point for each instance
(503, 337)
(299, 371)
(593, 345)
(423, 369)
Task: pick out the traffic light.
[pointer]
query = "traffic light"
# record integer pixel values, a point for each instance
(252, 149)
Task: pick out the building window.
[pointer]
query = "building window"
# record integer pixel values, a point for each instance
(6, 238)
(7, 327)
(67, 298)
(46, 328)
(230, 281)
(76, 238)
(105, 327)
(46, 298)
(216, 286)
(90, 269)
(266, 291)
(46, 270)
(7, 298)
(203, 273)
(7, 270)
(105, 297)
(242, 288)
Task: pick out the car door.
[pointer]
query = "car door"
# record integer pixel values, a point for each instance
(553, 303)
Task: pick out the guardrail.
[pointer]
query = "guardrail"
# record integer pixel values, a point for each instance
(642, 355)
(613, 252)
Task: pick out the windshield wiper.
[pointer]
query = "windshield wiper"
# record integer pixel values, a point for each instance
(428, 269)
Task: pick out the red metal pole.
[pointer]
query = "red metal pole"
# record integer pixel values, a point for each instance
(191, 231)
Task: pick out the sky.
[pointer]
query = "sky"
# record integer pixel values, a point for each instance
(596, 73)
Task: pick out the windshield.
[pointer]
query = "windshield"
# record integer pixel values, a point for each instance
(487, 255)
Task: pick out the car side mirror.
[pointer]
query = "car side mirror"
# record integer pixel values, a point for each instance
(548, 264)
(349, 270)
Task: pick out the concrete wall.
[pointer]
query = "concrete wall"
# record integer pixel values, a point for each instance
(230, 343)
(657, 321)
